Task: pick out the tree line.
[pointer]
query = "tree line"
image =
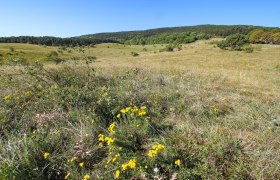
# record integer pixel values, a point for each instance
(168, 38)
(55, 41)
(176, 35)
(213, 30)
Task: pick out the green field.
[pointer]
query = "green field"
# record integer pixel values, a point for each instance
(216, 111)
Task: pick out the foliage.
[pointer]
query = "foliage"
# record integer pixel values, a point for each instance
(171, 47)
(168, 38)
(134, 54)
(234, 42)
(180, 35)
(265, 36)
(87, 122)
(54, 56)
(55, 41)
(210, 30)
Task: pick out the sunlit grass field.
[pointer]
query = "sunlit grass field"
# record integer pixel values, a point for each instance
(198, 113)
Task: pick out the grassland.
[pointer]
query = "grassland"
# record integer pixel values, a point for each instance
(216, 111)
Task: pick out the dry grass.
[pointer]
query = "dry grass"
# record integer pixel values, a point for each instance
(243, 87)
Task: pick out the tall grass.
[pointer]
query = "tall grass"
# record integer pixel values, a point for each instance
(63, 111)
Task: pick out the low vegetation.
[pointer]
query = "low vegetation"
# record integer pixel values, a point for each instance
(197, 113)
(234, 42)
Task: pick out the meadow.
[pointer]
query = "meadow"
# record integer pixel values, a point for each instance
(196, 113)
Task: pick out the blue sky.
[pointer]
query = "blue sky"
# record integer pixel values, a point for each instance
(66, 18)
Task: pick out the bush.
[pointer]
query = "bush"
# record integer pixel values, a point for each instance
(12, 49)
(53, 56)
(134, 54)
(234, 42)
(168, 48)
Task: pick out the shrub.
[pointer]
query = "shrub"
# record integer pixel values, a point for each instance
(234, 42)
(167, 48)
(276, 38)
(12, 49)
(53, 56)
(134, 54)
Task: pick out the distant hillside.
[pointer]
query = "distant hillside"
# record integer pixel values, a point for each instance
(172, 35)
(214, 30)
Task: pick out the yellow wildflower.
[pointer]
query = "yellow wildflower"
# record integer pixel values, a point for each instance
(143, 107)
(119, 116)
(87, 135)
(152, 153)
(216, 110)
(86, 177)
(67, 175)
(146, 167)
(158, 147)
(123, 111)
(82, 164)
(155, 150)
(124, 166)
(101, 138)
(46, 155)
(132, 163)
(109, 140)
(142, 113)
(8, 97)
(116, 157)
(117, 175)
(127, 109)
(73, 159)
(111, 128)
(178, 162)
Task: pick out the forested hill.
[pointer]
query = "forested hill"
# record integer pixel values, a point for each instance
(173, 35)
(214, 30)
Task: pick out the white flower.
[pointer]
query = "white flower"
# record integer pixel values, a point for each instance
(156, 170)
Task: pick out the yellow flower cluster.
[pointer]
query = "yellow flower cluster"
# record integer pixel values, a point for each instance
(87, 177)
(117, 156)
(133, 111)
(117, 175)
(111, 128)
(102, 139)
(8, 97)
(216, 110)
(155, 150)
(72, 159)
(178, 162)
(131, 164)
(46, 155)
(82, 164)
